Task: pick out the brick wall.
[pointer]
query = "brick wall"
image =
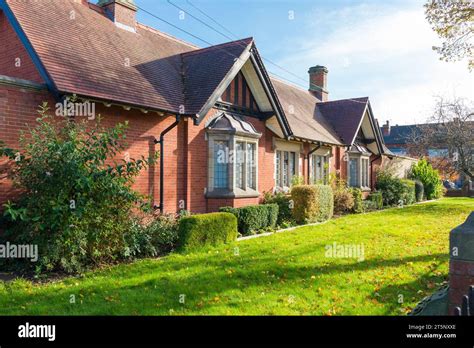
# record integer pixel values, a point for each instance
(14, 59)
(17, 109)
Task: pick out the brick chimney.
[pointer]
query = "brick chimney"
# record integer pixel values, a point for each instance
(121, 12)
(318, 79)
(386, 129)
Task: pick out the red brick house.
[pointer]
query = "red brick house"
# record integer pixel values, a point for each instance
(193, 104)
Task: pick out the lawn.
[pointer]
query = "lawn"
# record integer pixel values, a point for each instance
(405, 259)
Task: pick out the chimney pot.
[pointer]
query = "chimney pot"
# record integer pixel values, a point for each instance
(318, 82)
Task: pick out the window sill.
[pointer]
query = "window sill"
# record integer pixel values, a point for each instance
(237, 193)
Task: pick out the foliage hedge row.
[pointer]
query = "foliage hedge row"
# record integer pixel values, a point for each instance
(254, 218)
(357, 196)
(377, 198)
(424, 172)
(201, 230)
(409, 191)
(395, 191)
(312, 203)
(285, 205)
(343, 198)
(419, 191)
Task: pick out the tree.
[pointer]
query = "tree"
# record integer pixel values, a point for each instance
(453, 21)
(450, 134)
(76, 198)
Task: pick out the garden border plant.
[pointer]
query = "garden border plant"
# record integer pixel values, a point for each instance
(76, 202)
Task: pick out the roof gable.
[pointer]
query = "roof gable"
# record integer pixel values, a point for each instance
(207, 73)
(305, 120)
(345, 116)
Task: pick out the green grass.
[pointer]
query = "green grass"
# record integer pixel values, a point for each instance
(406, 253)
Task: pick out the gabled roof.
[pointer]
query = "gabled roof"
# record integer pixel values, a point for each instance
(345, 116)
(206, 68)
(306, 121)
(91, 57)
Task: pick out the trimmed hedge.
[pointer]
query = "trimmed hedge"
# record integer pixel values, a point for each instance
(357, 195)
(284, 206)
(206, 229)
(408, 194)
(377, 198)
(419, 190)
(395, 190)
(254, 218)
(312, 203)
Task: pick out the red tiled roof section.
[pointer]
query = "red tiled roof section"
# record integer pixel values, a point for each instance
(344, 116)
(304, 118)
(204, 70)
(88, 55)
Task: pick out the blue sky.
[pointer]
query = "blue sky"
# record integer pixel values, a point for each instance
(380, 49)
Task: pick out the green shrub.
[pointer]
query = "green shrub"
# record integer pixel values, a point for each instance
(151, 236)
(357, 195)
(419, 191)
(312, 203)
(297, 180)
(284, 203)
(390, 187)
(213, 229)
(377, 198)
(343, 199)
(254, 218)
(75, 205)
(424, 172)
(369, 205)
(395, 191)
(408, 193)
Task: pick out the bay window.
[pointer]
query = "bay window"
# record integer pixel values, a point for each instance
(233, 157)
(359, 171)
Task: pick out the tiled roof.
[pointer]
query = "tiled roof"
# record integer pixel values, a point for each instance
(305, 119)
(401, 134)
(204, 69)
(344, 116)
(89, 56)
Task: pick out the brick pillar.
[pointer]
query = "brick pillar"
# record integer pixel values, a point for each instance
(461, 264)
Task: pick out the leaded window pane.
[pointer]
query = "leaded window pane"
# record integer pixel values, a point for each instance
(221, 165)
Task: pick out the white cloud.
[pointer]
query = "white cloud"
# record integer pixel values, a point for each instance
(383, 52)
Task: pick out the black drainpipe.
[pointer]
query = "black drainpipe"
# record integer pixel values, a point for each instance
(308, 156)
(162, 162)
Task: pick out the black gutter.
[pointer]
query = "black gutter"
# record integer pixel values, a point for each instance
(162, 162)
(308, 157)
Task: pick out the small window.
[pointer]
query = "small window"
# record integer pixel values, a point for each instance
(221, 165)
(319, 169)
(251, 166)
(239, 165)
(365, 172)
(354, 172)
(286, 167)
